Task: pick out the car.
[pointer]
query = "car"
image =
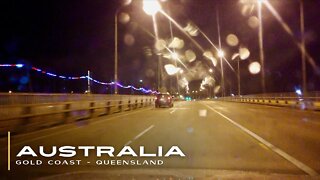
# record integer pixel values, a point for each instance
(163, 99)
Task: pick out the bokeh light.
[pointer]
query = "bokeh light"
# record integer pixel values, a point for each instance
(190, 55)
(171, 69)
(160, 44)
(124, 17)
(253, 22)
(244, 53)
(129, 40)
(176, 43)
(254, 67)
(126, 2)
(232, 40)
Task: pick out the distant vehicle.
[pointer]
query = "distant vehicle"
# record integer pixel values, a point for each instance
(163, 100)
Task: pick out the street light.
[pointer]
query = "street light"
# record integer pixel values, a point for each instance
(303, 52)
(261, 50)
(220, 53)
(151, 7)
(116, 48)
(175, 56)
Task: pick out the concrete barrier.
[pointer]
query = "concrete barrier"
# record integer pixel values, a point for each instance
(305, 103)
(29, 112)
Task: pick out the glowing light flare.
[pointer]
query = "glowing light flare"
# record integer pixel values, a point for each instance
(254, 67)
(220, 53)
(298, 92)
(12, 65)
(171, 69)
(176, 43)
(151, 7)
(175, 56)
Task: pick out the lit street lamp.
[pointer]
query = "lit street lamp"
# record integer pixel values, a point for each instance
(151, 7)
(303, 52)
(220, 54)
(263, 81)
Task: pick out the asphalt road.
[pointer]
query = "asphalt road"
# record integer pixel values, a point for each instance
(213, 135)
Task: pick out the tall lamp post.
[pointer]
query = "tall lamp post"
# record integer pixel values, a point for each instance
(116, 46)
(303, 52)
(243, 54)
(116, 51)
(263, 82)
(152, 7)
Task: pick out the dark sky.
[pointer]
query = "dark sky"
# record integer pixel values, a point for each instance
(73, 36)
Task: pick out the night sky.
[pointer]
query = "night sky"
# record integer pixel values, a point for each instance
(73, 36)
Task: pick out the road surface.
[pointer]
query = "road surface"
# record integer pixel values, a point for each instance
(212, 135)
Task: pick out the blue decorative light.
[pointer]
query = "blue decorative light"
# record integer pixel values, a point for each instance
(146, 91)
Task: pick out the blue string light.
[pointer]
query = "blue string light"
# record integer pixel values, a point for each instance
(146, 91)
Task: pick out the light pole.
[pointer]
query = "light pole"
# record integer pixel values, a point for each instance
(263, 83)
(220, 55)
(116, 50)
(152, 7)
(238, 76)
(116, 47)
(237, 58)
(303, 52)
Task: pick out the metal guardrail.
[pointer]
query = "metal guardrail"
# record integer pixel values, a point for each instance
(311, 102)
(314, 95)
(29, 112)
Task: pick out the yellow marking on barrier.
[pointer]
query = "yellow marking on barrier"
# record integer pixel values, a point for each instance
(9, 168)
(263, 146)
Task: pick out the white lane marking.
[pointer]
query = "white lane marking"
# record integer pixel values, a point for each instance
(70, 129)
(291, 159)
(128, 143)
(139, 135)
(223, 109)
(173, 111)
(143, 132)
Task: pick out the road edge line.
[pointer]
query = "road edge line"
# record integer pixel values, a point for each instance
(275, 149)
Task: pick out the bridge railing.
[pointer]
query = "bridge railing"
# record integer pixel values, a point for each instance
(21, 112)
(310, 101)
